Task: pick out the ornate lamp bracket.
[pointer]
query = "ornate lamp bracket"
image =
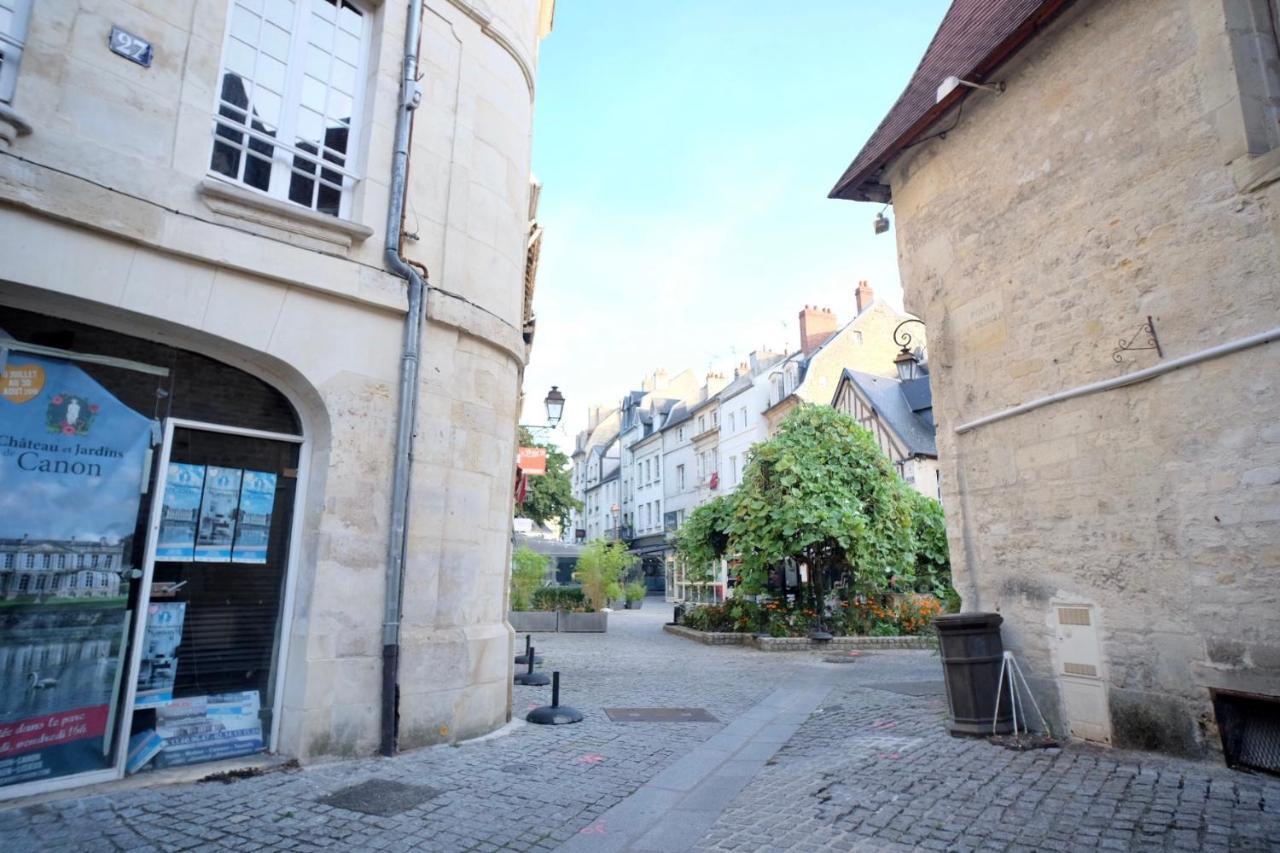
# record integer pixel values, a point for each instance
(1146, 333)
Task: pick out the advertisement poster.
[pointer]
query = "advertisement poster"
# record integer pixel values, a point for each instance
(257, 501)
(207, 728)
(178, 517)
(71, 476)
(159, 665)
(217, 528)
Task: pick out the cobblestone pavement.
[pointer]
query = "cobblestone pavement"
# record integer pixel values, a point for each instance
(870, 769)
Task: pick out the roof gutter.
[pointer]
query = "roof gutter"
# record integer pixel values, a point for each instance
(406, 418)
(862, 187)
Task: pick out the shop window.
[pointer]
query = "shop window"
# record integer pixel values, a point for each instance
(217, 665)
(289, 96)
(14, 15)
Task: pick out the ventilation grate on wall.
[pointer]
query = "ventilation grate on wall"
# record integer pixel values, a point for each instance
(1080, 669)
(1073, 616)
(1250, 728)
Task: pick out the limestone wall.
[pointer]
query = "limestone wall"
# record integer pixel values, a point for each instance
(108, 215)
(1108, 183)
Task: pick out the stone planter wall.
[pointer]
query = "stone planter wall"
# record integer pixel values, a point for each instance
(704, 637)
(583, 623)
(797, 644)
(532, 621)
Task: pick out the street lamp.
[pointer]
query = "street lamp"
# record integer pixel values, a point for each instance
(554, 402)
(907, 364)
(555, 406)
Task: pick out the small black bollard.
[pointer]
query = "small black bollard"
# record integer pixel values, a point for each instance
(531, 678)
(554, 714)
(528, 647)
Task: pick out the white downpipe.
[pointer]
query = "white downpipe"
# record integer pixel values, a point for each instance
(1128, 379)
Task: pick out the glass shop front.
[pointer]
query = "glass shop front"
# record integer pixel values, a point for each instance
(147, 500)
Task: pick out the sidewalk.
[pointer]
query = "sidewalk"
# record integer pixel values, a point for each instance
(805, 755)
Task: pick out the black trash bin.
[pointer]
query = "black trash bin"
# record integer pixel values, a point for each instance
(971, 656)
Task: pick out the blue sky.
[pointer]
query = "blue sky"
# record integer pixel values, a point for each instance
(686, 153)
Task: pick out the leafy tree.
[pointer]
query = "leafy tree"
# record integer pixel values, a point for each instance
(932, 569)
(550, 496)
(704, 537)
(822, 493)
(601, 566)
(528, 573)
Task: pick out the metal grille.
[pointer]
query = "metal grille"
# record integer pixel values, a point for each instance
(1250, 729)
(1073, 616)
(1080, 669)
(660, 715)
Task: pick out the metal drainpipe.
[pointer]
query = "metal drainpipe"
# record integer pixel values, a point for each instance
(410, 96)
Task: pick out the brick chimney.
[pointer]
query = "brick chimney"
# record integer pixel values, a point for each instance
(816, 325)
(864, 296)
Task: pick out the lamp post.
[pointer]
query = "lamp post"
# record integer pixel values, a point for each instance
(907, 364)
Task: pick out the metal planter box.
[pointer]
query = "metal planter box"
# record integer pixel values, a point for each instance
(584, 623)
(532, 621)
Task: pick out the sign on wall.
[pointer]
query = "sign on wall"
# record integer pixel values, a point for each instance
(71, 473)
(532, 461)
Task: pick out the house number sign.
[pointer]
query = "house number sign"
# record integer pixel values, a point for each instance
(131, 47)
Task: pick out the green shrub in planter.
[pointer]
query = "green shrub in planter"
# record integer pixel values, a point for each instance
(635, 592)
(560, 598)
(528, 573)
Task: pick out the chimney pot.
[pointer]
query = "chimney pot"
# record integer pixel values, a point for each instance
(864, 296)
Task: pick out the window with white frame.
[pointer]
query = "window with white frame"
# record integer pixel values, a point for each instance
(732, 422)
(14, 17)
(291, 88)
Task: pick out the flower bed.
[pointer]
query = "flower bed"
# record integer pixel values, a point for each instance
(798, 644)
(887, 616)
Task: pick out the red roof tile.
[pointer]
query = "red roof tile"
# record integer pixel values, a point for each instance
(975, 37)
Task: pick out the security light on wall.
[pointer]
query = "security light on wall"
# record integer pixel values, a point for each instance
(949, 85)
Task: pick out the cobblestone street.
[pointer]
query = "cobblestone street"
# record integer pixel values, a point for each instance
(805, 755)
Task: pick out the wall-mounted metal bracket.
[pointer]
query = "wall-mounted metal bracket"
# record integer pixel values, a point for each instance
(1146, 332)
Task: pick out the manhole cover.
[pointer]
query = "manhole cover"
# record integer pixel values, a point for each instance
(660, 715)
(380, 797)
(912, 688)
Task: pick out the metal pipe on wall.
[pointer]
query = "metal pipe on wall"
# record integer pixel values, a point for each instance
(406, 419)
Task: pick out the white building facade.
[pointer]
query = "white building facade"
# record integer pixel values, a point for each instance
(196, 222)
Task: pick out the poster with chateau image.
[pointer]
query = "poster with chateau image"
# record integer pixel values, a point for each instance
(217, 527)
(253, 526)
(184, 484)
(72, 461)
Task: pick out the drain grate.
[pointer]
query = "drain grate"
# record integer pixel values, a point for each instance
(912, 688)
(1250, 728)
(380, 797)
(660, 715)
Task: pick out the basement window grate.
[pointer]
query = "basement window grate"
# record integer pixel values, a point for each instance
(1250, 729)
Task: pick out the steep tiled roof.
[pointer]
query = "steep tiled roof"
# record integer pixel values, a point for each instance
(975, 37)
(905, 407)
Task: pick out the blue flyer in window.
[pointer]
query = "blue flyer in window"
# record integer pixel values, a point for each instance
(217, 528)
(257, 501)
(158, 668)
(182, 489)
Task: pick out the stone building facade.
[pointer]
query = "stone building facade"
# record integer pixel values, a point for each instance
(139, 201)
(1128, 531)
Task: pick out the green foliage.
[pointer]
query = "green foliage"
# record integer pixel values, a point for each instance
(560, 598)
(635, 591)
(550, 496)
(601, 566)
(822, 492)
(704, 537)
(932, 569)
(882, 616)
(528, 572)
